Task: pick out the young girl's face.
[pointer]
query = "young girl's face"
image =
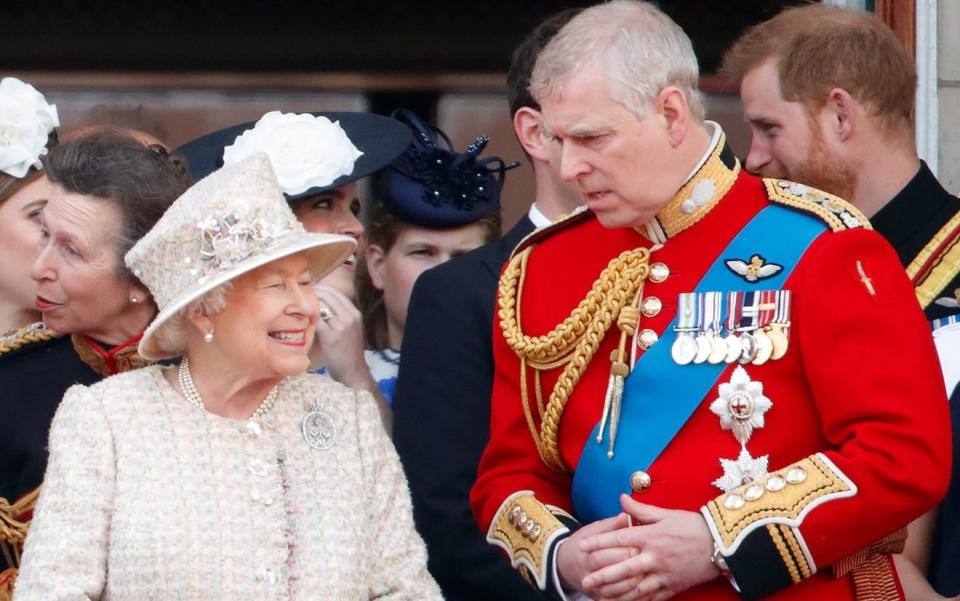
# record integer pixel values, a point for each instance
(415, 250)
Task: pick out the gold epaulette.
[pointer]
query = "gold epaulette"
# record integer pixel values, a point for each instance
(564, 221)
(833, 210)
(526, 529)
(31, 334)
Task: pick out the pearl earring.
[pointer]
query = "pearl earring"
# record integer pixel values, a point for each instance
(208, 337)
(134, 300)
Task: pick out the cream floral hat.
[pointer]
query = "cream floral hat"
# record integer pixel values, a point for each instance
(227, 224)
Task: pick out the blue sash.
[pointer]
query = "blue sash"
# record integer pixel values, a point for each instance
(659, 395)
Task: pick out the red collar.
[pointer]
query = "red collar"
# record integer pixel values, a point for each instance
(120, 358)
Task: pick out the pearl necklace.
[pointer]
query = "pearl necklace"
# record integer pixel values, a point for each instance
(192, 395)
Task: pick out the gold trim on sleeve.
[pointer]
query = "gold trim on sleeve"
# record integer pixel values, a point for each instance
(783, 497)
(793, 552)
(526, 528)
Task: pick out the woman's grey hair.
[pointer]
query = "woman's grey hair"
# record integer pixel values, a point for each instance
(173, 335)
(639, 48)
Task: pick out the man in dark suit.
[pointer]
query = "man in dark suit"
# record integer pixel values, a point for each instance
(442, 399)
(829, 94)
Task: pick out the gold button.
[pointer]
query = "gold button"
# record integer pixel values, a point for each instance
(796, 475)
(651, 306)
(659, 272)
(647, 338)
(733, 502)
(753, 492)
(639, 481)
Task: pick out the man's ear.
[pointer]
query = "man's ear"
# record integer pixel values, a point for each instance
(375, 258)
(671, 104)
(528, 125)
(842, 112)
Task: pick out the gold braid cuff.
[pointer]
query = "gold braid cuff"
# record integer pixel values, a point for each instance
(573, 343)
(781, 499)
(526, 529)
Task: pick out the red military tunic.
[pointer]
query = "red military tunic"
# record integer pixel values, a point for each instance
(859, 384)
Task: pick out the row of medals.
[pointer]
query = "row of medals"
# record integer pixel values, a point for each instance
(755, 347)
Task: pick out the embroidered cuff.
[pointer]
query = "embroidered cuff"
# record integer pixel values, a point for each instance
(757, 526)
(529, 532)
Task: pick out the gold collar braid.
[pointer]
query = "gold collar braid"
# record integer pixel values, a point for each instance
(574, 342)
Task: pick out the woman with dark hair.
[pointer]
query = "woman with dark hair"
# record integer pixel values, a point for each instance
(432, 204)
(29, 130)
(319, 159)
(102, 192)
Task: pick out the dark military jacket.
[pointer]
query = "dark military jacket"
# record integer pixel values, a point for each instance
(923, 223)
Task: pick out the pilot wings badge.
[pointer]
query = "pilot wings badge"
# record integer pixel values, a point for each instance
(755, 270)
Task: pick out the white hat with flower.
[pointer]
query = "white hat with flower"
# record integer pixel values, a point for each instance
(311, 153)
(227, 224)
(26, 122)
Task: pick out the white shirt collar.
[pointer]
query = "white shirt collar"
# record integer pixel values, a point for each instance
(539, 219)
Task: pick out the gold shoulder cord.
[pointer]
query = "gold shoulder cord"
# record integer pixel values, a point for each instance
(23, 338)
(574, 342)
(13, 528)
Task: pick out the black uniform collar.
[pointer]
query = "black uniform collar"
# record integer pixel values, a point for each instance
(915, 214)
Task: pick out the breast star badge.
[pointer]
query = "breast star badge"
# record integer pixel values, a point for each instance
(757, 269)
(742, 470)
(741, 405)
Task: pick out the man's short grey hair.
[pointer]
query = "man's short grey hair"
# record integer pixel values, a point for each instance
(638, 47)
(173, 335)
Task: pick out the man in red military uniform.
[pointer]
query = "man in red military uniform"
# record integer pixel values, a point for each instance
(732, 353)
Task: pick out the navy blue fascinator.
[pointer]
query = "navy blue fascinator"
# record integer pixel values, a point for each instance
(431, 185)
(310, 153)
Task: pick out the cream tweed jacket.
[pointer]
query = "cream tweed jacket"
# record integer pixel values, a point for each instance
(147, 497)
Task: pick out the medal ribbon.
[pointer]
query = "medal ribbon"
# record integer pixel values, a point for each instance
(659, 395)
(715, 302)
(767, 308)
(749, 308)
(734, 309)
(783, 308)
(687, 312)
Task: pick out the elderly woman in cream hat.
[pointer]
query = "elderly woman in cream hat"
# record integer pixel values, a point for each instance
(234, 475)
(319, 160)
